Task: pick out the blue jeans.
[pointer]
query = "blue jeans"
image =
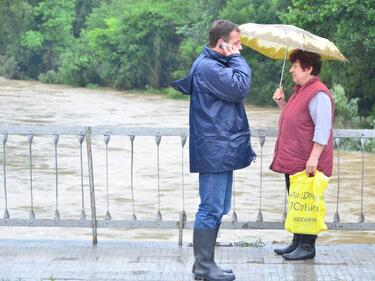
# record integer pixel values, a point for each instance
(215, 191)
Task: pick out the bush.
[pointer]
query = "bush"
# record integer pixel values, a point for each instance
(8, 67)
(347, 117)
(173, 94)
(77, 67)
(346, 112)
(169, 93)
(50, 77)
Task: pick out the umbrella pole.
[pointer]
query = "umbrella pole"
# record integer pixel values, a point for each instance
(282, 72)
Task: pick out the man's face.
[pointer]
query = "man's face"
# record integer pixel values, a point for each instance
(235, 40)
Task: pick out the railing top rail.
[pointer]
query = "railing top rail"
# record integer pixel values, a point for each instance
(153, 131)
(353, 133)
(42, 130)
(140, 131)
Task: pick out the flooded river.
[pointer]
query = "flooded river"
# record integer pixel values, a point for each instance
(32, 103)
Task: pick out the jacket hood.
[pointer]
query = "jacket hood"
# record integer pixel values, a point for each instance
(185, 84)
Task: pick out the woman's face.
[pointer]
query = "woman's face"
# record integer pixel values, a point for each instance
(299, 75)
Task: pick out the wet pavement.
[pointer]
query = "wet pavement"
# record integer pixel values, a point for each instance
(23, 260)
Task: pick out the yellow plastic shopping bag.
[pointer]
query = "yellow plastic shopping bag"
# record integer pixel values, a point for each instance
(306, 206)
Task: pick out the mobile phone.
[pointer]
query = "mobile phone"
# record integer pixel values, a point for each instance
(224, 45)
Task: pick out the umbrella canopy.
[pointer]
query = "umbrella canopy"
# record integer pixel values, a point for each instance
(277, 41)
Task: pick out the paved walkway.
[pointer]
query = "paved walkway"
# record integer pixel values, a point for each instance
(22, 260)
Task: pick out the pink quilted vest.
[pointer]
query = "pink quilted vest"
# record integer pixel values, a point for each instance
(296, 131)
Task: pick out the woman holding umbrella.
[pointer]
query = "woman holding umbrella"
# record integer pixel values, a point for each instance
(305, 140)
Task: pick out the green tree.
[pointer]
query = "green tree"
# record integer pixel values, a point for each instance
(83, 8)
(151, 42)
(16, 18)
(135, 43)
(265, 71)
(103, 43)
(199, 17)
(53, 32)
(350, 24)
(78, 66)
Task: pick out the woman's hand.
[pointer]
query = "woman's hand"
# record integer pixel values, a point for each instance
(279, 97)
(311, 166)
(312, 162)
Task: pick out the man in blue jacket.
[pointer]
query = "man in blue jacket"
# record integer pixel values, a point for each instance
(219, 140)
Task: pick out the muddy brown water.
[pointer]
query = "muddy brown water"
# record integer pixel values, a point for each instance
(33, 103)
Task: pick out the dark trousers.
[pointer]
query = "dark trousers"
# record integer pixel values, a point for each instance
(307, 238)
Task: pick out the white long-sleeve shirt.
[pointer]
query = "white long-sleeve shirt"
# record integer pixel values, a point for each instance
(320, 109)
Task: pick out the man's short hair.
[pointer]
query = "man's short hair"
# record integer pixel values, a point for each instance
(221, 29)
(307, 59)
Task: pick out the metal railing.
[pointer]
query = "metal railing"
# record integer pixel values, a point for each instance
(86, 134)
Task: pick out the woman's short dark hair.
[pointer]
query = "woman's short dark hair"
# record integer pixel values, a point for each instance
(221, 29)
(307, 59)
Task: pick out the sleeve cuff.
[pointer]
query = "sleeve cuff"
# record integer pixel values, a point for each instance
(233, 56)
(320, 140)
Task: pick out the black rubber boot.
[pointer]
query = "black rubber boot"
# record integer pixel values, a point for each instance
(226, 270)
(291, 247)
(305, 249)
(204, 242)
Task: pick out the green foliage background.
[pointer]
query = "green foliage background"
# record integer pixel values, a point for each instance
(146, 44)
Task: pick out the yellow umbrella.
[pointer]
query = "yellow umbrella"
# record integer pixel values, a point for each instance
(277, 41)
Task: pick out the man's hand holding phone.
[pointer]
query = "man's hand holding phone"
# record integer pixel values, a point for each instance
(228, 48)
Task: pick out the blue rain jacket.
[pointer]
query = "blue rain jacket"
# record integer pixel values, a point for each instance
(219, 131)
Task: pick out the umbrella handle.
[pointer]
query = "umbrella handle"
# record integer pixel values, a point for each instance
(282, 72)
